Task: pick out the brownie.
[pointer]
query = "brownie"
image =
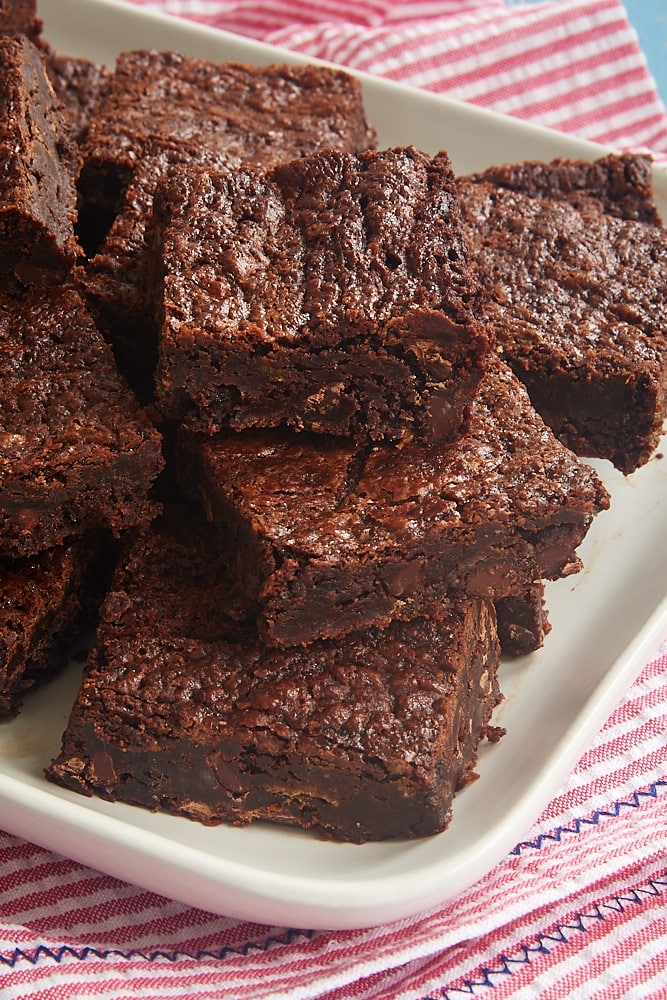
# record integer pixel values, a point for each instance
(335, 537)
(257, 115)
(184, 711)
(75, 448)
(39, 164)
(523, 621)
(76, 82)
(578, 304)
(45, 602)
(331, 293)
(618, 184)
(116, 281)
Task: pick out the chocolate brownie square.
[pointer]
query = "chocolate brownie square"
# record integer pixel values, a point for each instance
(182, 710)
(76, 450)
(45, 601)
(335, 537)
(39, 164)
(578, 304)
(331, 293)
(618, 184)
(252, 114)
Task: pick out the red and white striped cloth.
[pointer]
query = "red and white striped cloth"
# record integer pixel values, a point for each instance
(578, 907)
(576, 910)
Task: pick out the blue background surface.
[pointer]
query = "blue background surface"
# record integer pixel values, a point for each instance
(649, 19)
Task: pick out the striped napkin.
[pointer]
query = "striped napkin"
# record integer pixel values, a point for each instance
(577, 909)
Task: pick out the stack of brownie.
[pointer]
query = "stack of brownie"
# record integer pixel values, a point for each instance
(78, 457)
(360, 504)
(308, 635)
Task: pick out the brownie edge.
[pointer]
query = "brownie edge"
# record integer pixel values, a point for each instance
(75, 451)
(39, 165)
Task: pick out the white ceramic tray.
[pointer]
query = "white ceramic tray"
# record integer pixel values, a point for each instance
(607, 621)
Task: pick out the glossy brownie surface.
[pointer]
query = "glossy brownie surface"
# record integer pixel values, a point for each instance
(578, 303)
(253, 114)
(619, 184)
(338, 537)
(46, 600)
(39, 165)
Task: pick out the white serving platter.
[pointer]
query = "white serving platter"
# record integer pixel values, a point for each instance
(607, 622)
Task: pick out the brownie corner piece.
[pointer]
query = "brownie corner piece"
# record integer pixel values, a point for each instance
(40, 163)
(366, 738)
(76, 449)
(331, 293)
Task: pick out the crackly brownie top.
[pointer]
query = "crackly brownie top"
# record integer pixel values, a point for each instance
(164, 632)
(570, 289)
(62, 401)
(334, 502)
(315, 250)
(38, 156)
(620, 185)
(254, 114)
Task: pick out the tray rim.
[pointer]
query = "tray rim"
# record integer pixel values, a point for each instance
(148, 857)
